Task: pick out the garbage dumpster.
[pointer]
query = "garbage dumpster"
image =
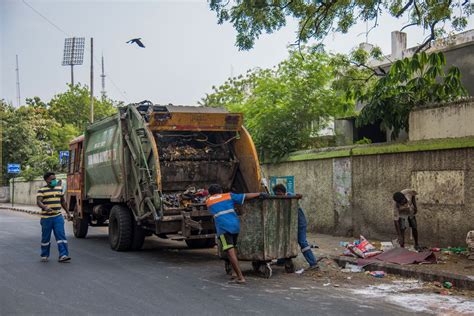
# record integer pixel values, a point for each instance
(269, 230)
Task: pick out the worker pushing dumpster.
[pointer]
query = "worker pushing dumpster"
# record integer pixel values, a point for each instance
(145, 171)
(269, 231)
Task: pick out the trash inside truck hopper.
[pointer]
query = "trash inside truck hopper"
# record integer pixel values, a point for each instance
(144, 171)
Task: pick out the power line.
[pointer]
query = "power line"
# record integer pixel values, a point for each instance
(46, 19)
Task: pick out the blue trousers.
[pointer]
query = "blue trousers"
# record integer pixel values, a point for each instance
(56, 225)
(304, 245)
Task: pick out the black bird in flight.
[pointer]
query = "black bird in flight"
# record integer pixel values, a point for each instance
(136, 41)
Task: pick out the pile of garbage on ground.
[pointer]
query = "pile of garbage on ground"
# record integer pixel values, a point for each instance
(360, 248)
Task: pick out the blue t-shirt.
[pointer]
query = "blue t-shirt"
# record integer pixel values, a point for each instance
(225, 217)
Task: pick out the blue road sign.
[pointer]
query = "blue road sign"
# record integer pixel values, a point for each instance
(13, 168)
(288, 182)
(63, 157)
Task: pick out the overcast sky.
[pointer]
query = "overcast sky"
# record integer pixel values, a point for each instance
(186, 52)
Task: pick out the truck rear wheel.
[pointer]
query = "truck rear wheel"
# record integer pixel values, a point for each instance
(120, 228)
(80, 226)
(200, 243)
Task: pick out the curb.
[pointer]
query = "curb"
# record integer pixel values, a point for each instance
(20, 210)
(460, 281)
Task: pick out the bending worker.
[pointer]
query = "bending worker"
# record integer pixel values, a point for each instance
(280, 189)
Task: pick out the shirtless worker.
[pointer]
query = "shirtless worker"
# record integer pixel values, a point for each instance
(404, 215)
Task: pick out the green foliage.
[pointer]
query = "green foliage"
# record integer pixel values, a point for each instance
(363, 141)
(316, 19)
(73, 107)
(286, 106)
(411, 82)
(33, 134)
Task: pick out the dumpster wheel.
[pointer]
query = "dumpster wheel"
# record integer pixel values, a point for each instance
(289, 266)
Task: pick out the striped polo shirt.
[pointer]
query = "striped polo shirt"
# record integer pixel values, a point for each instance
(52, 199)
(225, 217)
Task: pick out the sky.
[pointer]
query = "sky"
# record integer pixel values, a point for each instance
(186, 52)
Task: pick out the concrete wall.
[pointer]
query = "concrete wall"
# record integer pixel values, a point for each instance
(353, 195)
(25, 191)
(4, 194)
(317, 202)
(444, 121)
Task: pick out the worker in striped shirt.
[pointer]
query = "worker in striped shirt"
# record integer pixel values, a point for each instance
(222, 207)
(50, 199)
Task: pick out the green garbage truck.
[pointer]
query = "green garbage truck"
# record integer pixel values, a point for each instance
(144, 171)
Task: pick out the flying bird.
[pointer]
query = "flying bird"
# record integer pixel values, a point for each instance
(136, 41)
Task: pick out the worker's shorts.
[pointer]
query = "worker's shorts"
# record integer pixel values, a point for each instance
(228, 241)
(405, 222)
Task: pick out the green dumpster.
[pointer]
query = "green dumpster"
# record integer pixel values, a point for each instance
(269, 230)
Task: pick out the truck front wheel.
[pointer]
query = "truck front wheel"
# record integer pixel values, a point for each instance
(120, 228)
(80, 226)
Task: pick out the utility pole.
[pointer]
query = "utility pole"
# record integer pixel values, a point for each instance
(18, 95)
(72, 58)
(103, 79)
(92, 80)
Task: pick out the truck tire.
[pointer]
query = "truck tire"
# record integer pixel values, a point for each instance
(200, 243)
(120, 228)
(80, 226)
(138, 237)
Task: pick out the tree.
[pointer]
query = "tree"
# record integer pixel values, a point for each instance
(73, 107)
(285, 106)
(411, 82)
(34, 133)
(317, 18)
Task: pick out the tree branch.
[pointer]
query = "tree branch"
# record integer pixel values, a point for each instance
(408, 25)
(400, 13)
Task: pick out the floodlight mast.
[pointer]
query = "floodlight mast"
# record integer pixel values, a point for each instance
(73, 53)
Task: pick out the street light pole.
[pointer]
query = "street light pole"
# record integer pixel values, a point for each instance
(92, 80)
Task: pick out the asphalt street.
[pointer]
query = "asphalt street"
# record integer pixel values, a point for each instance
(164, 278)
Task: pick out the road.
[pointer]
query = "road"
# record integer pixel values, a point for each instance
(164, 278)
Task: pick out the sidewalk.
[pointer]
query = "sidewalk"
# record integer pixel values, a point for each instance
(454, 268)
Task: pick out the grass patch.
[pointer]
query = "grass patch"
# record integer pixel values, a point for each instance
(378, 149)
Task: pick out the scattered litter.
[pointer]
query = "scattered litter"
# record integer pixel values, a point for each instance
(377, 274)
(326, 284)
(343, 243)
(456, 250)
(444, 292)
(296, 288)
(349, 278)
(300, 271)
(386, 245)
(437, 284)
(353, 268)
(336, 285)
(447, 285)
(361, 248)
(435, 249)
